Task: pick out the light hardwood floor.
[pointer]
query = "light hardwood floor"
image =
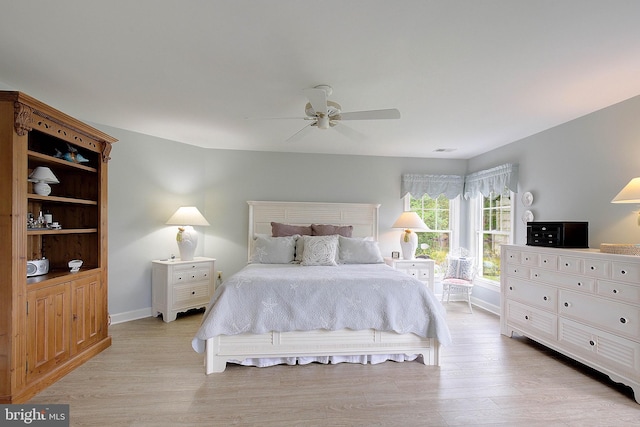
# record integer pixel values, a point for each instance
(152, 377)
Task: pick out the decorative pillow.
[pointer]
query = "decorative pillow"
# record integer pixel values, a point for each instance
(328, 230)
(460, 268)
(320, 250)
(273, 250)
(283, 230)
(358, 251)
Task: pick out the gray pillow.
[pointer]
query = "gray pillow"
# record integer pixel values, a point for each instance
(358, 251)
(273, 250)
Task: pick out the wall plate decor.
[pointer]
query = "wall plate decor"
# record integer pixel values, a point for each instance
(527, 216)
(527, 199)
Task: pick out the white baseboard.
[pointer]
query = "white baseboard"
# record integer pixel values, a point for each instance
(485, 306)
(131, 315)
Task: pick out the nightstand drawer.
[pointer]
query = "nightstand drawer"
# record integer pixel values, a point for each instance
(185, 276)
(190, 293)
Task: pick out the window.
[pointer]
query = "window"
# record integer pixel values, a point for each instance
(494, 230)
(441, 216)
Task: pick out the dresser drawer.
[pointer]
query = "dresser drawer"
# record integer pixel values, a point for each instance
(190, 293)
(532, 320)
(512, 255)
(569, 281)
(548, 261)
(569, 264)
(619, 291)
(541, 296)
(516, 270)
(615, 317)
(610, 350)
(625, 272)
(529, 258)
(597, 268)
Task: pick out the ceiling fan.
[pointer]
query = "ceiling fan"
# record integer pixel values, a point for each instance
(325, 114)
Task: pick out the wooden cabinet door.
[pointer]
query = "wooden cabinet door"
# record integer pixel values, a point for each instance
(88, 312)
(48, 326)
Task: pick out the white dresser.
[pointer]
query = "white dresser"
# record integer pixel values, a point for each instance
(582, 303)
(421, 269)
(178, 286)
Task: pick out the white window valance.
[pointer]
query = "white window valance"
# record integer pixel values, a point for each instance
(434, 185)
(491, 180)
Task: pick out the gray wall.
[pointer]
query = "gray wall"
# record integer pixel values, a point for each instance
(149, 178)
(573, 172)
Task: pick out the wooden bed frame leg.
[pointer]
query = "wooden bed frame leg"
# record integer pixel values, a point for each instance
(212, 363)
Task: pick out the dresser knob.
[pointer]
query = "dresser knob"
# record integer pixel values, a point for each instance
(193, 292)
(526, 317)
(623, 272)
(623, 320)
(579, 283)
(566, 304)
(615, 291)
(510, 288)
(593, 267)
(545, 298)
(592, 343)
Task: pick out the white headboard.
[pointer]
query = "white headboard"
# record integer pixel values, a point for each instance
(362, 216)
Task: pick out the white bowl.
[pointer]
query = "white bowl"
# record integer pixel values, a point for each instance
(75, 265)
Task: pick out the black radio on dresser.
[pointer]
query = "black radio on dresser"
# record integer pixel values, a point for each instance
(560, 234)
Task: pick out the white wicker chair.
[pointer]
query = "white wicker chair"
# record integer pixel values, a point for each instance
(459, 271)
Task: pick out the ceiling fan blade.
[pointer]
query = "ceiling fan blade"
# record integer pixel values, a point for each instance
(371, 115)
(300, 134)
(318, 99)
(350, 132)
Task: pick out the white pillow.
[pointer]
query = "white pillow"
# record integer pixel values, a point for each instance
(320, 250)
(273, 250)
(359, 251)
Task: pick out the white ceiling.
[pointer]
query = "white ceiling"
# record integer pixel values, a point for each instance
(466, 75)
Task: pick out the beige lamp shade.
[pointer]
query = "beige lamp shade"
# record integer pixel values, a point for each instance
(187, 215)
(630, 193)
(187, 237)
(44, 174)
(410, 220)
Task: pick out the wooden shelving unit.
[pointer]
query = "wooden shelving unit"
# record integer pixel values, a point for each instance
(50, 323)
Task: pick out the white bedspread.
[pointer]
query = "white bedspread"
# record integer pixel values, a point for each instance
(286, 297)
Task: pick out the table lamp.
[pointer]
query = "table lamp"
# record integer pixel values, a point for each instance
(42, 177)
(186, 217)
(410, 222)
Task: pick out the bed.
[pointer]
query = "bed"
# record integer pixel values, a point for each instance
(336, 298)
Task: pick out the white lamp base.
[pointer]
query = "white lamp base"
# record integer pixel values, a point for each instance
(42, 188)
(187, 239)
(409, 247)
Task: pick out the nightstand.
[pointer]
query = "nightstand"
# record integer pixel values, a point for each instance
(178, 286)
(421, 269)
